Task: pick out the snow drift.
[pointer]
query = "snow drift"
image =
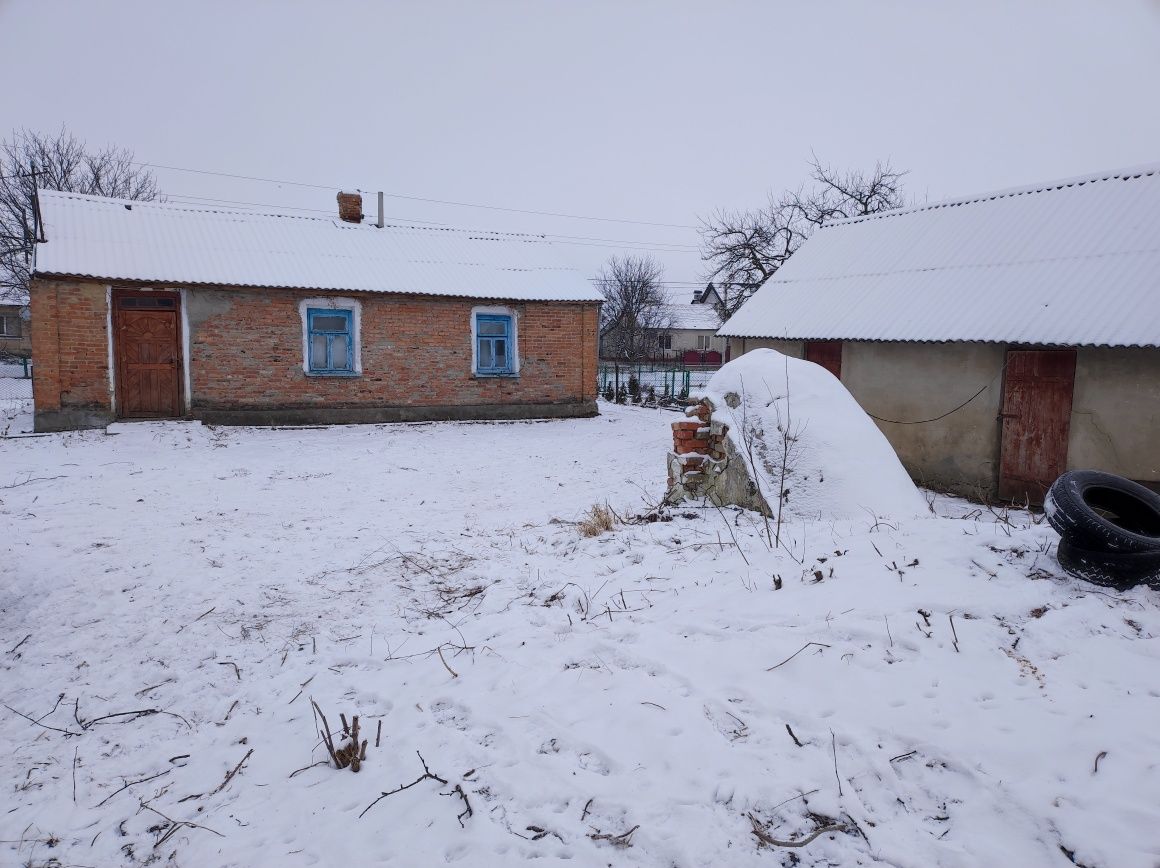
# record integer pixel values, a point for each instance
(786, 411)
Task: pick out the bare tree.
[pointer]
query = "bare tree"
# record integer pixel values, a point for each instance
(61, 162)
(634, 313)
(842, 194)
(746, 248)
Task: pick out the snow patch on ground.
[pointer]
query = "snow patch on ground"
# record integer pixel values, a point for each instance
(936, 687)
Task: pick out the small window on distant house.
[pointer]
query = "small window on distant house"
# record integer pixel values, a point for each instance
(703, 341)
(9, 326)
(330, 341)
(666, 342)
(494, 344)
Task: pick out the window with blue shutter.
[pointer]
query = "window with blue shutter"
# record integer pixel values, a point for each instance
(493, 348)
(330, 340)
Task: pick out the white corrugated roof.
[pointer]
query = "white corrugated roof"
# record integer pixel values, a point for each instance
(1070, 262)
(113, 239)
(702, 317)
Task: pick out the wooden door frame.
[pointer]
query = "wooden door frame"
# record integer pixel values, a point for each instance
(117, 293)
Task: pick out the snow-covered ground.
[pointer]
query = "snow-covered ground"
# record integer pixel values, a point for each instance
(173, 596)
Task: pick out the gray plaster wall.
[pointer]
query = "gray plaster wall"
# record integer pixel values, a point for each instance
(1115, 412)
(908, 382)
(738, 346)
(911, 382)
(1115, 419)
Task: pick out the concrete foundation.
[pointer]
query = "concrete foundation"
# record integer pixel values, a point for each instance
(371, 415)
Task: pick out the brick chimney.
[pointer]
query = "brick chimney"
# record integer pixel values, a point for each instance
(350, 207)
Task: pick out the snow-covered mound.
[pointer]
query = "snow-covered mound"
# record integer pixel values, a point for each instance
(837, 464)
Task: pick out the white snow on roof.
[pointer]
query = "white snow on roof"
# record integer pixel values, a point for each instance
(702, 317)
(1071, 262)
(113, 239)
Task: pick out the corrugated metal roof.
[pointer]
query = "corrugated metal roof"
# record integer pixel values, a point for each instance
(113, 239)
(1071, 262)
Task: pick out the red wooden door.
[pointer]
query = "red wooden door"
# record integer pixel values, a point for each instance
(1037, 390)
(148, 352)
(828, 354)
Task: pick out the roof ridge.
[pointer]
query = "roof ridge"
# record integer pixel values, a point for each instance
(239, 212)
(1128, 174)
(858, 275)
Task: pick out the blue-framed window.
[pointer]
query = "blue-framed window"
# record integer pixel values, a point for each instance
(493, 344)
(330, 340)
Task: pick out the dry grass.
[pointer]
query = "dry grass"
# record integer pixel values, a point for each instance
(599, 520)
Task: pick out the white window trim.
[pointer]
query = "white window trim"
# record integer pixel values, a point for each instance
(332, 303)
(495, 310)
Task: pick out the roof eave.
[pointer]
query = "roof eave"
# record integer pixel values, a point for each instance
(191, 284)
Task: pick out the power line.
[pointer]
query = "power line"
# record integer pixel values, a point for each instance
(581, 240)
(184, 197)
(238, 177)
(679, 283)
(421, 198)
(539, 213)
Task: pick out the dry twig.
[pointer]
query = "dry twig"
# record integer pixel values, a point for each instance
(122, 789)
(175, 825)
(230, 776)
(237, 671)
(834, 747)
(796, 653)
(1096, 764)
(624, 839)
(454, 674)
(427, 775)
(324, 731)
(763, 837)
(466, 812)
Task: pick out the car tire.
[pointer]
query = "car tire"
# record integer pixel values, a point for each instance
(1101, 512)
(1119, 570)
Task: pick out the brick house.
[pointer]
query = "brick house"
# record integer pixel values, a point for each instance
(153, 310)
(685, 333)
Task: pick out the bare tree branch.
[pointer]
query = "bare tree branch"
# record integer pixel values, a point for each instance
(745, 248)
(63, 162)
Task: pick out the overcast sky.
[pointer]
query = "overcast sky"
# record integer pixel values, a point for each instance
(651, 112)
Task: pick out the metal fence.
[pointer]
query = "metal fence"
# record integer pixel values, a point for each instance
(673, 382)
(15, 389)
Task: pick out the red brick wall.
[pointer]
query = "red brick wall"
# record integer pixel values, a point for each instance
(246, 352)
(70, 345)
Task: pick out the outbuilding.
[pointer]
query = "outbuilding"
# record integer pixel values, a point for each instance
(997, 340)
(149, 310)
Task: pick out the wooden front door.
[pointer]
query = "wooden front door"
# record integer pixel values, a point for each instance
(147, 350)
(828, 354)
(1037, 390)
